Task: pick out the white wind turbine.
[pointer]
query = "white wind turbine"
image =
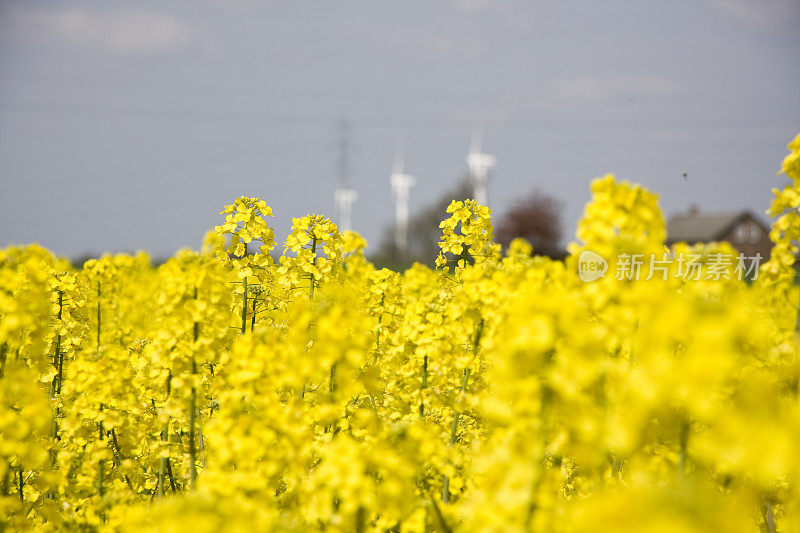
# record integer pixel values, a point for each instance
(479, 165)
(344, 199)
(344, 196)
(401, 185)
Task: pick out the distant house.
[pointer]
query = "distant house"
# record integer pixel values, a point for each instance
(743, 230)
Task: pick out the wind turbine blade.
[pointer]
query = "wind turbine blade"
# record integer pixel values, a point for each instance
(477, 140)
(399, 161)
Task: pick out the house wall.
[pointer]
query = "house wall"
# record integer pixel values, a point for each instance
(742, 240)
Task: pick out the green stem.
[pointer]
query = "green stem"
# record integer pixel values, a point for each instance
(192, 448)
(55, 385)
(244, 297)
(98, 316)
(684, 441)
(100, 466)
(332, 379)
(244, 306)
(3, 355)
(118, 458)
(453, 433)
(457, 414)
(361, 518)
(100, 429)
(253, 316)
(797, 321)
(171, 477)
(100, 474)
(314, 262)
(380, 323)
(200, 440)
(423, 386)
(192, 412)
(60, 375)
(162, 466)
(4, 485)
(21, 485)
(57, 354)
(443, 525)
(768, 517)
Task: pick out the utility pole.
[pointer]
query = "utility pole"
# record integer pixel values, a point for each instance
(479, 165)
(344, 196)
(401, 184)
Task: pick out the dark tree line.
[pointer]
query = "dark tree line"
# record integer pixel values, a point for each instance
(536, 218)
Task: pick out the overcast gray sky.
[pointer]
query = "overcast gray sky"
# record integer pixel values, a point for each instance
(129, 126)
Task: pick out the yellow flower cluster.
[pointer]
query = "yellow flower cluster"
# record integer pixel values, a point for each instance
(467, 234)
(786, 229)
(313, 253)
(223, 392)
(244, 223)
